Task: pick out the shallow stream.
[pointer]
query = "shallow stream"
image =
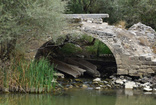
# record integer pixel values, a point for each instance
(81, 97)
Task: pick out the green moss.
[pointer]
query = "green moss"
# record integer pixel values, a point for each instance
(98, 48)
(70, 49)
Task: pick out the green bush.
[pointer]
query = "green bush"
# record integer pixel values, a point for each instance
(29, 19)
(40, 17)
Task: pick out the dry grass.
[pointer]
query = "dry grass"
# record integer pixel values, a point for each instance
(154, 49)
(121, 24)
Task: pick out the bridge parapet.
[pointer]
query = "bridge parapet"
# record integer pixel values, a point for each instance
(91, 18)
(84, 16)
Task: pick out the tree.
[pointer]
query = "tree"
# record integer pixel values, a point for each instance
(81, 6)
(131, 11)
(29, 18)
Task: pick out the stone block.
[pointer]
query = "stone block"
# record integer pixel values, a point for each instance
(85, 16)
(142, 58)
(119, 62)
(143, 66)
(136, 57)
(147, 63)
(132, 58)
(148, 59)
(132, 71)
(122, 71)
(135, 66)
(149, 70)
(129, 85)
(141, 71)
(119, 66)
(154, 62)
(153, 68)
(110, 40)
(117, 56)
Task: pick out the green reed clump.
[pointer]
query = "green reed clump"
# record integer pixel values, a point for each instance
(41, 75)
(24, 76)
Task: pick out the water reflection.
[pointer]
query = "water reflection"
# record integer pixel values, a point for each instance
(80, 97)
(137, 97)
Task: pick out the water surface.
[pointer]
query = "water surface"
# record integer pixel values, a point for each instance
(81, 97)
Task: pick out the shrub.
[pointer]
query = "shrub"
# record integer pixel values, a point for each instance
(30, 18)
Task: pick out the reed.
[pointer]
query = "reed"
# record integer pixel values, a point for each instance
(23, 76)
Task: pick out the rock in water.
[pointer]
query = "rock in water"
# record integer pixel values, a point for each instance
(97, 88)
(119, 81)
(97, 80)
(129, 85)
(84, 86)
(147, 89)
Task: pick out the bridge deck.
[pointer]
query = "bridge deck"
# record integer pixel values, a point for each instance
(94, 16)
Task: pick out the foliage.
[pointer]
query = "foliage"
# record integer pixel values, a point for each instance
(98, 48)
(70, 48)
(81, 46)
(83, 6)
(30, 18)
(131, 11)
(38, 16)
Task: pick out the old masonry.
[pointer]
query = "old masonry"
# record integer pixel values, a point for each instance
(132, 48)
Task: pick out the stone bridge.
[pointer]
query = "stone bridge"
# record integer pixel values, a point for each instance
(132, 48)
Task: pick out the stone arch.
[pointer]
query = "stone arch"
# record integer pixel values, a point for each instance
(113, 50)
(50, 45)
(133, 56)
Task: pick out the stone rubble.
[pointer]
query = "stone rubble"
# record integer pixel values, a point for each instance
(114, 82)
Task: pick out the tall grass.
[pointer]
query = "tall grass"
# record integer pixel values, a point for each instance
(24, 76)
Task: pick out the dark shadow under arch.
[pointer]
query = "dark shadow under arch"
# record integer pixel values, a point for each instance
(106, 63)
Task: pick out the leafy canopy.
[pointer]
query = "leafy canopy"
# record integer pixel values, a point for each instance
(30, 17)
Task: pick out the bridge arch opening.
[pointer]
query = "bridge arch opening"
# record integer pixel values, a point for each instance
(83, 53)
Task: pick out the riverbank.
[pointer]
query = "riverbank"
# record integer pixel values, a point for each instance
(146, 83)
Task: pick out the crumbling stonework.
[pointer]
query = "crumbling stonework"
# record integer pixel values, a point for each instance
(131, 48)
(133, 57)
